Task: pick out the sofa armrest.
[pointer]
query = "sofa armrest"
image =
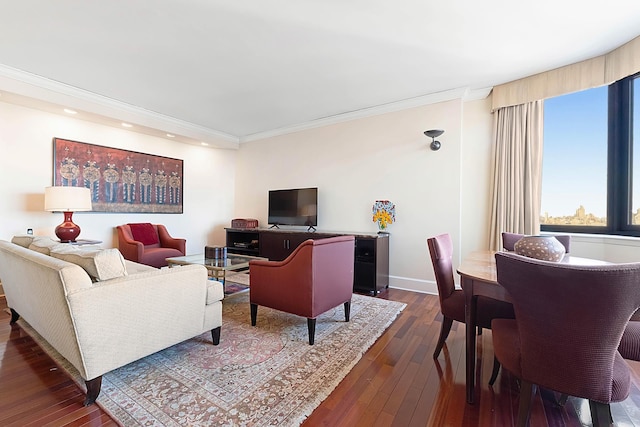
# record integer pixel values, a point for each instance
(121, 320)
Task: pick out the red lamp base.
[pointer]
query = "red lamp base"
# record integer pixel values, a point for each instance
(67, 231)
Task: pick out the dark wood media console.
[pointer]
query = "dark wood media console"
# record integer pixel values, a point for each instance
(371, 267)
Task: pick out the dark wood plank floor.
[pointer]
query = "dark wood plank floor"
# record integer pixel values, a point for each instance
(396, 383)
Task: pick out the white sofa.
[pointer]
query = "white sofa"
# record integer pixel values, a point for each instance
(109, 312)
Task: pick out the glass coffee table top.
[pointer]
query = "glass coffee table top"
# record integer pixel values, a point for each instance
(231, 262)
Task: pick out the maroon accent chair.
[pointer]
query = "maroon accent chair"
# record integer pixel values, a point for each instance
(509, 240)
(452, 300)
(567, 330)
(155, 247)
(316, 277)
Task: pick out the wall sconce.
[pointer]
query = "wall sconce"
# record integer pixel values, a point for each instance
(433, 134)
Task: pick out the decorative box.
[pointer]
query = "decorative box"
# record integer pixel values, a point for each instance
(244, 223)
(215, 252)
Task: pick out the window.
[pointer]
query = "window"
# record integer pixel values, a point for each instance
(588, 184)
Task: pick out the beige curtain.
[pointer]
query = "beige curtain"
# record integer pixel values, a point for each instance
(517, 170)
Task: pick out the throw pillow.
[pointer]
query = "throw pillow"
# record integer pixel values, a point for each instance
(24, 240)
(100, 264)
(145, 233)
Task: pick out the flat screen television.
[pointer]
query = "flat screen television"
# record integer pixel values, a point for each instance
(297, 206)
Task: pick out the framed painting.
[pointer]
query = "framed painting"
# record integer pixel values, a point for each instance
(119, 180)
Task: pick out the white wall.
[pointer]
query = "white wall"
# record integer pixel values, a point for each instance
(357, 162)
(27, 168)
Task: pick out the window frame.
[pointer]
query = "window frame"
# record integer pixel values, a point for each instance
(619, 165)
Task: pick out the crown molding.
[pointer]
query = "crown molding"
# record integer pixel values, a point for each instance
(465, 94)
(101, 107)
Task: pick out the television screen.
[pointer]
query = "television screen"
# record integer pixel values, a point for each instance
(293, 207)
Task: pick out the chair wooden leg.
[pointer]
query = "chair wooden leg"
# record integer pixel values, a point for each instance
(600, 414)
(254, 314)
(215, 335)
(444, 333)
(524, 406)
(311, 325)
(347, 310)
(496, 369)
(93, 390)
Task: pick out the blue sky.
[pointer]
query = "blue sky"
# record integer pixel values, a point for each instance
(574, 169)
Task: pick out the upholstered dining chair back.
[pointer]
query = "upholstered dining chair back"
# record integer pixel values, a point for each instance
(509, 240)
(452, 300)
(570, 320)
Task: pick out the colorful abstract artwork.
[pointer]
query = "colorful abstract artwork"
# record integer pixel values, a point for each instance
(119, 180)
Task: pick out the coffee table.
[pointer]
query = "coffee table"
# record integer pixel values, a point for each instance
(217, 267)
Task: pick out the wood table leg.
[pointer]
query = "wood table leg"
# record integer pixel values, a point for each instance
(470, 328)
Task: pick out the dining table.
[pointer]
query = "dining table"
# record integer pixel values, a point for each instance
(478, 277)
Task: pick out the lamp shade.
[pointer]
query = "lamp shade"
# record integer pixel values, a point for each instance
(67, 199)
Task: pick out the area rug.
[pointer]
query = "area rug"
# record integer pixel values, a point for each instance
(258, 376)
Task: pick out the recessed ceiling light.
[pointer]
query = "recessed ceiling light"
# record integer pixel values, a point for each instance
(69, 111)
(204, 143)
(127, 125)
(170, 135)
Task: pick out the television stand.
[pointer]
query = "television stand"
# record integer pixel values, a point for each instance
(311, 228)
(274, 226)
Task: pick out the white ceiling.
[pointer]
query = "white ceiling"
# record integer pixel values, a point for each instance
(240, 70)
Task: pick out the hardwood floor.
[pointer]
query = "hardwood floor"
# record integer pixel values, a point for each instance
(396, 383)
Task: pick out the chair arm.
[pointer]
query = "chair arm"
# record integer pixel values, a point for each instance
(130, 249)
(166, 241)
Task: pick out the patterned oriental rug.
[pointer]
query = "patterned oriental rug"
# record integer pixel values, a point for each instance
(258, 376)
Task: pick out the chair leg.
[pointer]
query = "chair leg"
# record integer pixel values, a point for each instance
(496, 369)
(600, 414)
(254, 314)
(526, 394)
(444, 333)
(347, 310)
(311, 325)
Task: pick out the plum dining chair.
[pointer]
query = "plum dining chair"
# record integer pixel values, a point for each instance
(452, 300)
(567, 330)
(316, 277)
(509, 240)
(149, 244)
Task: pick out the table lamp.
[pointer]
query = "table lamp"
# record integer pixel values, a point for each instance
(67, 200)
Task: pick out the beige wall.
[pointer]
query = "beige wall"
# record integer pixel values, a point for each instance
(357, 162)
(26, 168)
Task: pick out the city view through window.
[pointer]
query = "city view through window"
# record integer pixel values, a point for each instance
(574, 171)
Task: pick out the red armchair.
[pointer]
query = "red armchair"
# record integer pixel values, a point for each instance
(316, 277)
(149, 244)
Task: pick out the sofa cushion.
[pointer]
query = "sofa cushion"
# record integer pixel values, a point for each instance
(100, 264)
(45, 244)
(144, 233)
